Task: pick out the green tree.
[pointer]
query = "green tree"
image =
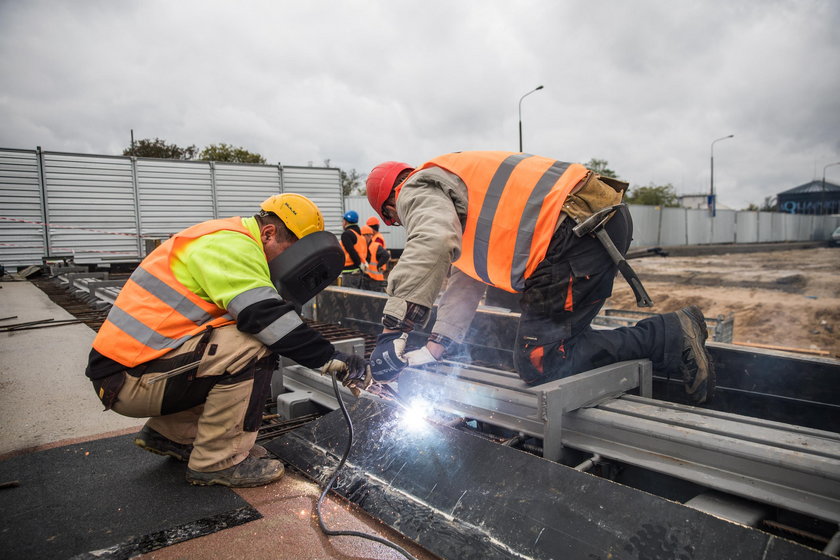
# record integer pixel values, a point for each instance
(599, 166)
(228, 153)
(351, 182)
(653, 195)
(158, 148)
(770, 205)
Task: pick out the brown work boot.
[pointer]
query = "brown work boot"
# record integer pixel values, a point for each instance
(696, 367)
(250, 472)
(150, 440)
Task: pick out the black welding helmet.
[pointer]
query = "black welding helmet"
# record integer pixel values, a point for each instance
(311, 264)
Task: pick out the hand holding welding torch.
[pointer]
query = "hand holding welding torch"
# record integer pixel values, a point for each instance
(388, 357)
(353, 371)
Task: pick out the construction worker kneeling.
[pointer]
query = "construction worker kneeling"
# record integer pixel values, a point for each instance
(193, 340)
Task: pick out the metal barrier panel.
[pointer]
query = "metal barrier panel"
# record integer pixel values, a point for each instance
(646, 223)
(723, 226)
(173, 195)
(698, 228)
(90, 207)
(240, 187)
(323, 186)
(673, 230)
(21, 242)
(747, 230)
(765, 227)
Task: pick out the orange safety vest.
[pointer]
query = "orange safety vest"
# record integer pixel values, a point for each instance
(515, 202)
(361, 248)
(377, 237)
(375, 271)
(155, 313)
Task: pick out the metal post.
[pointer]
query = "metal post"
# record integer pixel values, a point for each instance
(823, 185)
(520, 113)
(712, 179)
(45, 211)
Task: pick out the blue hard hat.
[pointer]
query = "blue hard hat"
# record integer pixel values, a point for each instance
(351, 216)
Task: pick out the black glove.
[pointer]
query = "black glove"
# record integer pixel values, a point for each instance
(387, 359)
(351, 370)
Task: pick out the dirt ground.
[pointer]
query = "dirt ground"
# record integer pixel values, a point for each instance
(788, 299)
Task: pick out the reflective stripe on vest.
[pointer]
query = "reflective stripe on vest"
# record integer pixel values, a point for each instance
(360, 246)
(375, 271)
(515, 202)
(155, 313)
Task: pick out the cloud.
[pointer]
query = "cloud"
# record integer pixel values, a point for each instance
(646, 85)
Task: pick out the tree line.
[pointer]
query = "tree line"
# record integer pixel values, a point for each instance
(352, 182)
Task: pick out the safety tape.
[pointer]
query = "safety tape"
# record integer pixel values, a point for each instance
(22, 221)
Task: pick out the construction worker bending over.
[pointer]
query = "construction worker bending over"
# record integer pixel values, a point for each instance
(505, 219)
(355, 249)
(194, 335)
(373, 223)
(378, 258)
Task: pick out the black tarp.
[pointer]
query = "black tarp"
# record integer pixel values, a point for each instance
(106, 495)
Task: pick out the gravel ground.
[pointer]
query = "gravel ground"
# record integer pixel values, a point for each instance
(789, 299)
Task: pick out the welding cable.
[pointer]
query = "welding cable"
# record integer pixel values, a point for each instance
(327, 531)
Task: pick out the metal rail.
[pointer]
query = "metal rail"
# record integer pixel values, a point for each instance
(787, 466)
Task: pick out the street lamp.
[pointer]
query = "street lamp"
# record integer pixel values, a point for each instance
(520, 113)
(823, 184)
(712, 180)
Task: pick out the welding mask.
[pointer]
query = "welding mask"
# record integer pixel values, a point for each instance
(311, 264)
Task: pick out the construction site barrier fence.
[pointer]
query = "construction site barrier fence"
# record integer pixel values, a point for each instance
(655, 226)
(100, 209)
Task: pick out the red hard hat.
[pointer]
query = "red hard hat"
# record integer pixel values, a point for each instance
(380, 183)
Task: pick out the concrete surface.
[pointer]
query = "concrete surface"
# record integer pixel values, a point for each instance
(46, 401)
(44, 394)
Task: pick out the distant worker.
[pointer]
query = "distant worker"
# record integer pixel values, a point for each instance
(505, 219)
(193, 338)
(355, 249)
(373, 223)
(378, 258)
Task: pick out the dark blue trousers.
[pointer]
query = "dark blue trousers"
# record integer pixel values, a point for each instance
(563, 296)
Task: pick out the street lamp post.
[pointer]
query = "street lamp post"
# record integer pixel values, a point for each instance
(823, 184)
(520, 113)
(712, 180)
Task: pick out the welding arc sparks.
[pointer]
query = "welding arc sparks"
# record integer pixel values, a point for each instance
(414, 415)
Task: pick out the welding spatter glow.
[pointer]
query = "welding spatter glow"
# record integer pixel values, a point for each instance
(413, 417)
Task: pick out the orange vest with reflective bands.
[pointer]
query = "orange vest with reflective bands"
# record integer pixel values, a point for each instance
(361, 248)
(155, 313)
(515, 202)
(375, 271)
(377, 236)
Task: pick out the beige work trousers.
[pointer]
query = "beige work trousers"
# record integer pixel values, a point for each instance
(215, 427)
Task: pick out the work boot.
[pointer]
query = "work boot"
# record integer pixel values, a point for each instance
(258, 452)
(250, 472)
(696, 367)
(150, 440)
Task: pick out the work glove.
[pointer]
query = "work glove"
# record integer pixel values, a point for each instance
(387, 360)
(420, 357)
(351, 370)
(363, 266)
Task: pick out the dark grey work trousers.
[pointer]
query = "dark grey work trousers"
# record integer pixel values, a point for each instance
(563, 296)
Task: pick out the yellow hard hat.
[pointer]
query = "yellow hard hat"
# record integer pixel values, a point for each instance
(299, 213)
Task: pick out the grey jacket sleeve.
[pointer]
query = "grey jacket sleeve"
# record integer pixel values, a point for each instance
(457, 305)
(432, 206)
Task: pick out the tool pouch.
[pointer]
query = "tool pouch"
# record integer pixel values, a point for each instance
(592, 194)
(108, 388)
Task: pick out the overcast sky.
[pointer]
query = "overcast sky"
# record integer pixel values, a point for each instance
(646, 85)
